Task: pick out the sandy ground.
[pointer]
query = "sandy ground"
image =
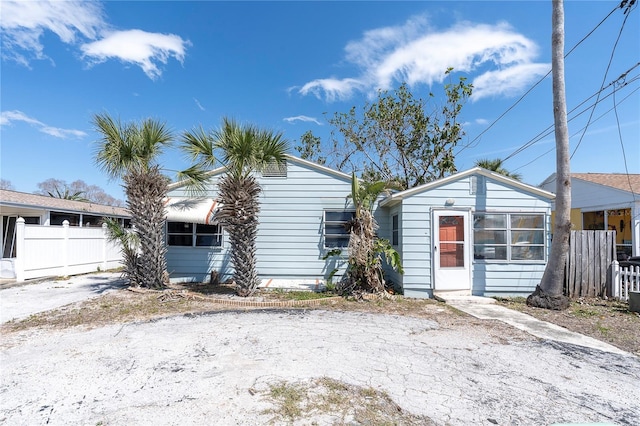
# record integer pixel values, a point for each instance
(212, 368)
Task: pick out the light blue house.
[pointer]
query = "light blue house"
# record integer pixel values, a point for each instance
(474, 232)
(303, 209)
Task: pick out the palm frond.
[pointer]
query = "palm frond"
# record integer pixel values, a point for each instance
(113, 151)
(273, 148)
(196, 178)
(199, 147)
(154, 136)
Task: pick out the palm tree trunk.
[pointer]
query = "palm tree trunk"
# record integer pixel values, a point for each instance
(549, 294)
(239, 217)
(145, 192)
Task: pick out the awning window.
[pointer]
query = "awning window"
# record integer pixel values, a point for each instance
(191, 210)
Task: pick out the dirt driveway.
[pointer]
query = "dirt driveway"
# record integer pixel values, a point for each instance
(217, 369)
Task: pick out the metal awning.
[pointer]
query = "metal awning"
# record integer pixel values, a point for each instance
(191, 210)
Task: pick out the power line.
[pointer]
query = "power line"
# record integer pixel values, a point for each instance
(613, 51)
(543, 132)
(622, 5)
(577, 132)
(624, 155)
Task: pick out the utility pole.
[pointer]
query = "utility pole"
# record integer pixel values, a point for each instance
(549, 293)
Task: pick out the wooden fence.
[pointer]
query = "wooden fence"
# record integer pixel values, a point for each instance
(588, 269)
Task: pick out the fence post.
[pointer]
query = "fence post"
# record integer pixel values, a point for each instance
(105, 240)
(65, 248)
(20, 254)
(615, 279)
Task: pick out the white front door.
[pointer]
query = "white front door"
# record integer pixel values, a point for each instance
(451, 250)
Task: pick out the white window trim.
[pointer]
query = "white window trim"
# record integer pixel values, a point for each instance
(509, 229)
(194, 235)
(395, 231)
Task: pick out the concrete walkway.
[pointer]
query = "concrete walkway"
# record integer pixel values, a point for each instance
(22, 299)
(486, 308)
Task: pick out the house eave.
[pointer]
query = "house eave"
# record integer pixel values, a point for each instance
(399, 196)
(289, 157)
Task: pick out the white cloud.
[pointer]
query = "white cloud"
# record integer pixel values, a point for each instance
(83, 24)
(302, 118)
(9, 117)
(62, 133)
(139, 47)
(333, 88)
(23, 24)
(509, 81)
(198, 104)
(481, 121)
(418, 54)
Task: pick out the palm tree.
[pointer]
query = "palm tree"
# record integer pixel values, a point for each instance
(365, 248)
(495, 165)
(130, 151)
(549, 294)
(66, 194)
(129, 247)
(243, 149)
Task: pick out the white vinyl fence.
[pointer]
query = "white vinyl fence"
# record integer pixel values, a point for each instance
(43, 251)
(625, 280)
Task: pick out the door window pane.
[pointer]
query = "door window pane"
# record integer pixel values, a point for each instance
(451, 241)
(451, 255)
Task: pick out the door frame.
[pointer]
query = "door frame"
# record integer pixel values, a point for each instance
(466, 272)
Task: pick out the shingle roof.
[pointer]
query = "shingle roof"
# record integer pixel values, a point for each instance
(22, 199)
(630, 183)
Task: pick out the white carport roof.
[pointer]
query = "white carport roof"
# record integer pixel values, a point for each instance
(192, 210)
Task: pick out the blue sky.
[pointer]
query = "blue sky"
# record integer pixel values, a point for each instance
(283, 65)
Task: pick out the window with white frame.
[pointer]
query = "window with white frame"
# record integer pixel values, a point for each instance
(335, 230)
(508, 237)
(193, 234)
(395, 230)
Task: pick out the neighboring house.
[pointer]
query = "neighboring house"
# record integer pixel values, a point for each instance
(47, 212)
(475, 232)
(491, 233)
(606, 201)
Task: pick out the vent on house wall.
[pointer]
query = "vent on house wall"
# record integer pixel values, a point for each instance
(477, 185)
(274, 169)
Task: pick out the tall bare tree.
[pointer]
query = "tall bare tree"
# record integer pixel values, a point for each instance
(77, 190)
(6, 184)
(549, 294)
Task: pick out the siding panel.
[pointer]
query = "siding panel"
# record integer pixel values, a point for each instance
(289, 243)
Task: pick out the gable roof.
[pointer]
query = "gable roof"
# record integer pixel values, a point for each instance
(289, 157)
(23, 199)
(622, 181)
(398, 196)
